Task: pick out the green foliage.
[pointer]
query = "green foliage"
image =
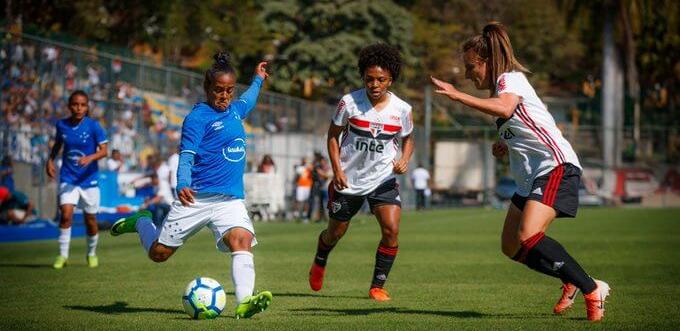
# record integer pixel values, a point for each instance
(318, 41)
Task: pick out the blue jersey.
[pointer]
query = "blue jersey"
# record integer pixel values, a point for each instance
(79, 140)
(217, 139)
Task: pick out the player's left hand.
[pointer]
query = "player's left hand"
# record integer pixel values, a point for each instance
(84, 161)
(400, 167)
(261, 70)
(445, 88)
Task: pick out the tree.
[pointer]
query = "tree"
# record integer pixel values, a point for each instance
(317, 42)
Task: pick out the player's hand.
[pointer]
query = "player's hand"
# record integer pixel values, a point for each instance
(445, 88)
(499, 149)
(261, 70)
(50, 169)
(85, 160)
(186, 196)
(340, 181)
(400, 167)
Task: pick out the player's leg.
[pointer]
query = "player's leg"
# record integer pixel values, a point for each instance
(64, 240)
(142, 223)
(234, 232)
(389, 217)
(341, 209)
(385, 203)
(510, 243)
(89, 201)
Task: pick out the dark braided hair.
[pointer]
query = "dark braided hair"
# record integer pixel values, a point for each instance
(381, 55)
(76, 93)
(222, 65)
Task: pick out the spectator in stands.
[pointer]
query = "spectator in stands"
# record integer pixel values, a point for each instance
(303, 187)
(116, 162)
(7, 173)
(420, 178)
(155, 202)
(315, 198)
(267, 165)
(173, 163)
(15, 207)
(325, 175)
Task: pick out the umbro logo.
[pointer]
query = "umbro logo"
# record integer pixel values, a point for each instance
(538, 191)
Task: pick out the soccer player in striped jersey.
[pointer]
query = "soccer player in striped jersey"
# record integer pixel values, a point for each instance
(84, 142)
(210, 184)
(363, 144)
(545, 167)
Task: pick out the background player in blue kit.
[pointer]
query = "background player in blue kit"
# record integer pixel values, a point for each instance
(210, 184)
(84, 143)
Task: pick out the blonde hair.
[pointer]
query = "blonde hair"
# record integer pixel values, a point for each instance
(494, 47)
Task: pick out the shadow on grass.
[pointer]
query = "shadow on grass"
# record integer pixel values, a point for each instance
(314, 295)
(25, 265)
(120, 307)
(396, 310)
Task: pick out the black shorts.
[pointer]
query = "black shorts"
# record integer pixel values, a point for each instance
(557, 189)
(343, 207)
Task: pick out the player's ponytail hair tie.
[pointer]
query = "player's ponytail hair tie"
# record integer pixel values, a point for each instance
(494, 47)
(222, 65)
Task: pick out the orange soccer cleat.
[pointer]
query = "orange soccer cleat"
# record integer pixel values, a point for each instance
(316, 276)
(378, 294)
(595, 301)
(569, 292)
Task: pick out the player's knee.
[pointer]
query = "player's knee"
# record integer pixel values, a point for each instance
(157, 254)
(524, 234)
(390, 233)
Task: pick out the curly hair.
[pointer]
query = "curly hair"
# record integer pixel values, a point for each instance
(222, 65)
(381, 55)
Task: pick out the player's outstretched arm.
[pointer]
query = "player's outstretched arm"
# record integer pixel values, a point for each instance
(248, 99)
(502, 106)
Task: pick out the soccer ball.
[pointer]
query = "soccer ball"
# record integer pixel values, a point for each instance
(204, 298)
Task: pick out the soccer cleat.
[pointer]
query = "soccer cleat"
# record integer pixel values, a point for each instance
(92, 261)
(59, 263)
(316, 274)
(569, 292)
(378, 294)
(595, 301)
(127, 224)
(253, 304)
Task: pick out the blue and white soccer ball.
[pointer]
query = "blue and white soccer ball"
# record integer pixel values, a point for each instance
(204, 298)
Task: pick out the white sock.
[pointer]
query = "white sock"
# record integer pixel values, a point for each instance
(92, 244)
(64, 241)
(147, 232)
(242, 274)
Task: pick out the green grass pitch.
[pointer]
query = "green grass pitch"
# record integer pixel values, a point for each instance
(449, 274)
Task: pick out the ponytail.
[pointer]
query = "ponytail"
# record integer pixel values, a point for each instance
(222, 65)
(494, 47)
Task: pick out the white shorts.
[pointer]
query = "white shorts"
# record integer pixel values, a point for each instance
(85, 198)
(216, 211)
(302, 193)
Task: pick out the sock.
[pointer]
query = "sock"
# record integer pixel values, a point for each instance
(541, 266)
(322, 251)
(548, 254)
(147, 232)
(384, 258)
(64, 241)
(242, 274)
(92, 244)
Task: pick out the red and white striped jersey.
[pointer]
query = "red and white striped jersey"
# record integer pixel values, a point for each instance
(369, 143)
(535, 144)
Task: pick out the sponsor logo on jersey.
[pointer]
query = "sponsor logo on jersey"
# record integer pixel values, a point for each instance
(395, 118)
(236, 151)
(368, 145)
(74, 155)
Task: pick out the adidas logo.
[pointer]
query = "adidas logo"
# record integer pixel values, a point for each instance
(557, 265)
(538, 191)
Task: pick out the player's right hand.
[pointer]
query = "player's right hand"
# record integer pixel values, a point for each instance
(499, 149)
(50, 169)
(340, 181)
(186, 196)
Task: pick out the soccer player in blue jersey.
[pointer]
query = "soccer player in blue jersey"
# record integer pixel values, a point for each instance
(84, 142)
(210, 184)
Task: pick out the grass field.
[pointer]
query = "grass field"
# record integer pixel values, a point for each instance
(449, 274)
